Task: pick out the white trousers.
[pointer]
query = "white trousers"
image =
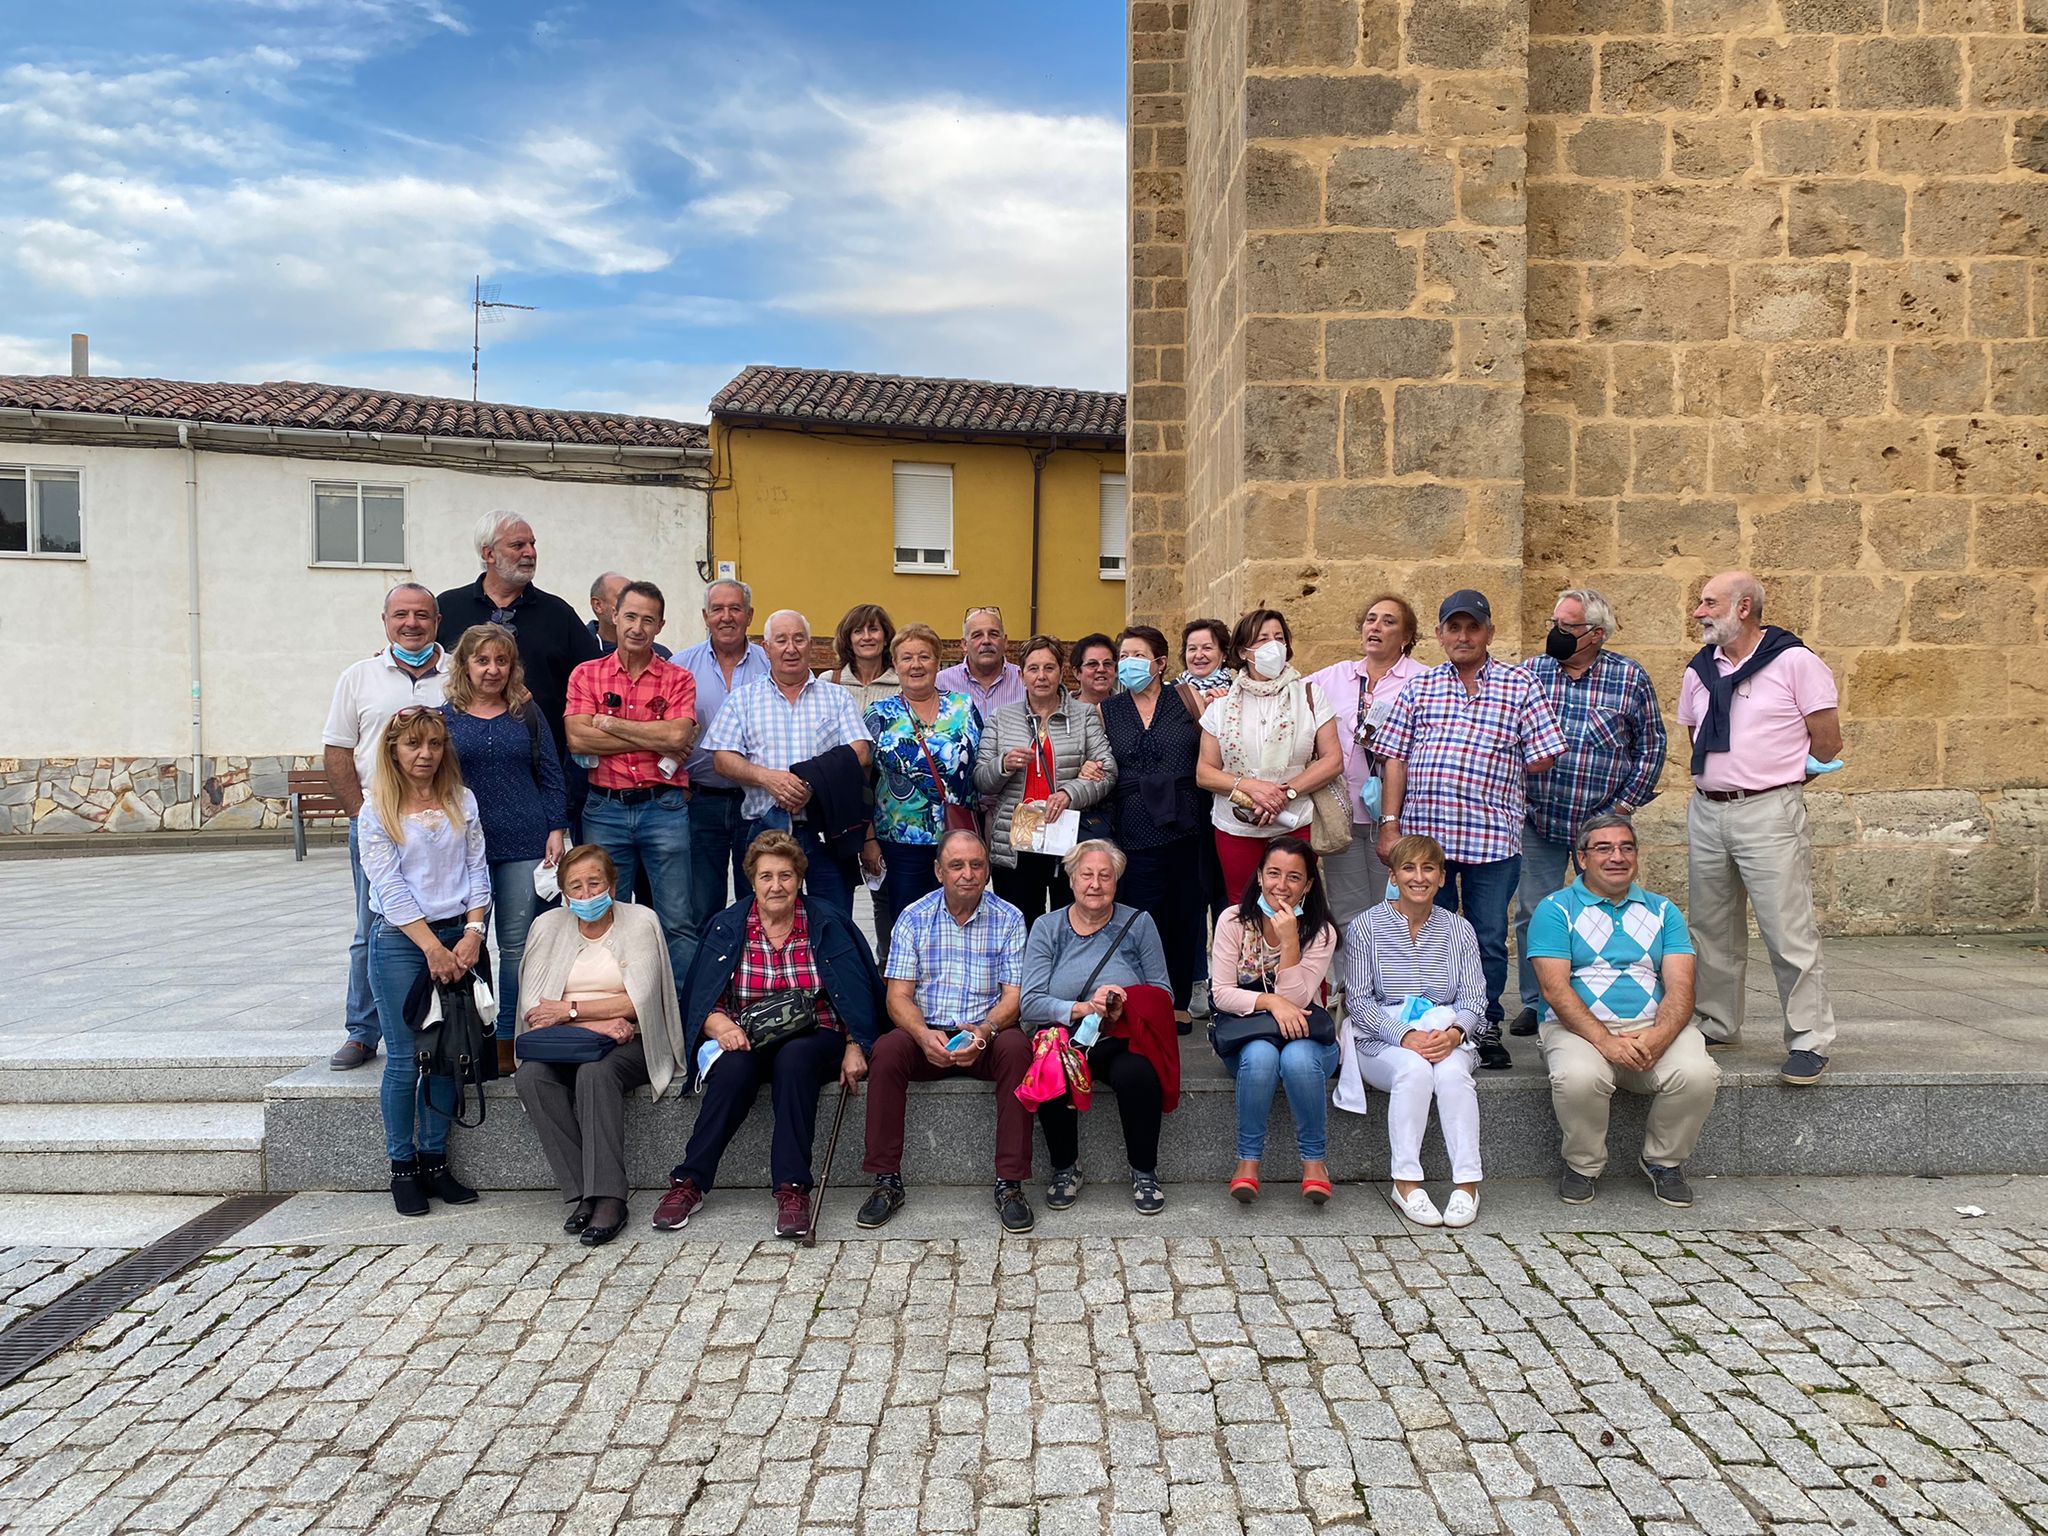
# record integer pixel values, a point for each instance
(1410, 1083)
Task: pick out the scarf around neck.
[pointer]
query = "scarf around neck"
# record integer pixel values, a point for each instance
(1261, 759)
(1712, 734)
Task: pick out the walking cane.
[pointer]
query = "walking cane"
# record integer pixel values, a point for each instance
(825, 1174)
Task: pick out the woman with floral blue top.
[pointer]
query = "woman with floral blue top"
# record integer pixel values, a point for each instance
(925, 744)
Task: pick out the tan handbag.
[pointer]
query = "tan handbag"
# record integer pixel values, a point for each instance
(1330, 823)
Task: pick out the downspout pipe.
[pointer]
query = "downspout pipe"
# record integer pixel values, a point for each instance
(192, 612)
(1038, 458)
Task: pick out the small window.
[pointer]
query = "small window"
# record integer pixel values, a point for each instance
(358, 524)
(924, 518)
(42, 512)
(1116, 522)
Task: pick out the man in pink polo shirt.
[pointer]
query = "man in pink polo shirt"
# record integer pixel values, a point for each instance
(1758, 704)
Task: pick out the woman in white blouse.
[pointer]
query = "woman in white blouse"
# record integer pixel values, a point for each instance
(1411, 948)
(430, 891)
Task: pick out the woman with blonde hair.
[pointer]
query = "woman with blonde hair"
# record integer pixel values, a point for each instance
(430, 890)
(508, 761)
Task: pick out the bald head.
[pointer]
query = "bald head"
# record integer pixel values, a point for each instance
(1731, 610)
(787, 639)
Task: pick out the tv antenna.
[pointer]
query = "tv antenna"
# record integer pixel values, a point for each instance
(484, 307)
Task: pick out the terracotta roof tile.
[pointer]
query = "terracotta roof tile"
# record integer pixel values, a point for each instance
(818, 397)
(334, 407)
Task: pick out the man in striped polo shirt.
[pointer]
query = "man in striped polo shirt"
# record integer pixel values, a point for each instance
(1615, 963)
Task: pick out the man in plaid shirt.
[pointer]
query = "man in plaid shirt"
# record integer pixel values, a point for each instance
(1607, 708)
(1457, 747)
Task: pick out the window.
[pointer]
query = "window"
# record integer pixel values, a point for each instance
(924, 518)
(42, 511)
(1116, 505)
(357, 524)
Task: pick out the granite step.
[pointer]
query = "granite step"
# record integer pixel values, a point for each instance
(146, 1148)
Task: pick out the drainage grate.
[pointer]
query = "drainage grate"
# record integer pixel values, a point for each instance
(41, 1334)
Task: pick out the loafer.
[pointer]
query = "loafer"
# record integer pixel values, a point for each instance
(678, 1205)
(1416, 1206)
(1667, 1184)
(1524, 1023)
(1063, 1188)
(579, 1218)
(1492, 1054)
(1802, 1068)
(792, 1210)
(1574, 1188)
(1461, 1210)
(349, 1055)
(1012, 1209)
(883, 1201)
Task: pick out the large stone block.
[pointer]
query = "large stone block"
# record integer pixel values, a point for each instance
(1656, 529)
(1678, 76)
(1475, 106)
(1601, 459)
(1816, 146)
(1282, 190)
(1806, 535)
(1554, 300)
(1567, 535)
(1276, 348)
(1839, 217)
(1471, 273)
(1998, 298)
(1297, 32)
(1891, 754)
(1841, 379)
(1684, 302)
(2008, 73)
(1768, 76)
(1365, 434)
(1939, 378)
(1645, 380)
(2030, 145)
(1389, 188)
(1467, 34)
(1671, 460)
(1834, 15)
(2012, 535)
(1566, 375)
(1858, 610)
(1909, 300)
(1925, 684)
(1401, 347)
(1593, 18)
(1721, 381)
(2020, 818)
(1763, 457)
(1490, 348)
(1941, 145)
(1570, 221)
(1290, 432)
(1458, 431)
(1311, 106)
(1711, 148)
(1936, 817)
(1491, 180)
(1994, 754)
(1708, 221)
(1902, 73)
(1991, 455)
(1618, 149)
(1894, 883)
(1920, 533)
(1791, 301)
(1962, 218)
(1972, 610)
(1391, 522)
(1984, 885)
(1337, 270)
(1560, 77)
(2019, 377)
(1546, 461)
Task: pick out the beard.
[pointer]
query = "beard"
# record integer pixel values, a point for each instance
(513, 573)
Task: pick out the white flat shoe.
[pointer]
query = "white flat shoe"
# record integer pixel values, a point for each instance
(1460, 1209)
(1416, 1206)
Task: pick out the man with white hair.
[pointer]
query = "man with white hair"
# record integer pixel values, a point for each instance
(766, 728)
(1760, 707)
(604, 607)
(1614, 751)
(724, 661)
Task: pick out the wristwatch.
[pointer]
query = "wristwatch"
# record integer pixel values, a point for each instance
(572, 1013)
(476, 928)
(1292, 792)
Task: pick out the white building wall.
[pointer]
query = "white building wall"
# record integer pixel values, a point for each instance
(94, 659)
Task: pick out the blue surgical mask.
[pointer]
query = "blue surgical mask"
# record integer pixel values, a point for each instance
(1393, 891)
(413, 658)
(1134, 672)
(591, 908)
(1266, 907)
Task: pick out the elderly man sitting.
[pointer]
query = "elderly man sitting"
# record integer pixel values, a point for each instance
(956, 964)
(1616, 966)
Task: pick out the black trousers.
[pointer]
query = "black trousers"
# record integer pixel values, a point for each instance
(797, 1072)
(1113, 1064)
(1037, 885)
(1166, 883)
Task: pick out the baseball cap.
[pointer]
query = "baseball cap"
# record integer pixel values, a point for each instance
(1465, 600)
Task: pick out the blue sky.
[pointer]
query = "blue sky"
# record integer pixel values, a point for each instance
(262, 189)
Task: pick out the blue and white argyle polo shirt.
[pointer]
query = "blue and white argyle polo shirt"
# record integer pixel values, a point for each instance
(1616, 948)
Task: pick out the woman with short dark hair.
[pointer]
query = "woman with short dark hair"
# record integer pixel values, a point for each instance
(1205, 657)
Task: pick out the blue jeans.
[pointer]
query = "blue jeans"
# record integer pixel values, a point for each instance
(514, 906)
(1305, 1067)
(1482, 892)
(717, 842)
(1546, 867)
(827, 879)
(654, 835)
(360, 1020)
(396, 963)
(909, 870)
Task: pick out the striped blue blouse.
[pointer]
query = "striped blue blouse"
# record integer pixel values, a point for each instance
(1383, 968)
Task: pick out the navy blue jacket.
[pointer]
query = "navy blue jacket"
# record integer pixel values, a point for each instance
(846, 967)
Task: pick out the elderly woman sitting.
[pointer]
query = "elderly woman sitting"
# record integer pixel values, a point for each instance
(772, 945)
(1414, 999)
(602, 1019)
(1098, 958)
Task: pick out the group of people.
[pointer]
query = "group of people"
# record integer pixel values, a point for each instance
(1062, 856)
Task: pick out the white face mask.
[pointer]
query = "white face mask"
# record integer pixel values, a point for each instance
(1270, 659)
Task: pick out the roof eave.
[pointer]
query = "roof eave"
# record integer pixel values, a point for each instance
(1067, 436)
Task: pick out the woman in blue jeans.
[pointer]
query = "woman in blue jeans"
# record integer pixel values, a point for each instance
(430, 891)
(1270, 956)
(507, 756)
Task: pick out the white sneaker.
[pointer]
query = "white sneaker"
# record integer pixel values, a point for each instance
(1416, 1206)
(1460, 1209)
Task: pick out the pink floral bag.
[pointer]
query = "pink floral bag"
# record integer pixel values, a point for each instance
(1047, 1078)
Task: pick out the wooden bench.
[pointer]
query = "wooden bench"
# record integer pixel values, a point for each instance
(312, 794)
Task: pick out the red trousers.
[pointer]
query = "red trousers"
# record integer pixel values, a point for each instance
(1240, 858)
(897, 1062)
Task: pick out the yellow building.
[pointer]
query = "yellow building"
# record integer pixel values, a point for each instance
(928, 496)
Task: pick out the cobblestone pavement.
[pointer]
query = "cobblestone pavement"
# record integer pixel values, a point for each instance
(1724, 1384)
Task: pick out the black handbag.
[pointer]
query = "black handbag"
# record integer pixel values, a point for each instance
(461, 1046)
(1231, 1032)
(778, 1017)
(564, 1045)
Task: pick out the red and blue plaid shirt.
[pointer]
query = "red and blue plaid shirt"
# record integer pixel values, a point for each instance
(1466, 757)
(765, 970)
(1616, 743)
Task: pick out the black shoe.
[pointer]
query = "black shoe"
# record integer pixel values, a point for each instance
(1524, 1024)
(1064, 1188)
(442, 1184)
(607, 1221)
(1667, 1184)
(1802, 1068)
(1012, 1209)
(883, 1201)
(351, 1054)
(1492, 1054)
(408, 1192)
(1574, 1188)
(1146, 1194)
(579, 1218)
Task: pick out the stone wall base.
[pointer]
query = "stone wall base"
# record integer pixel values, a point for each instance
(51, 796)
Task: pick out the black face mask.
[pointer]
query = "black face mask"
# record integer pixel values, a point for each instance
(1560, 645)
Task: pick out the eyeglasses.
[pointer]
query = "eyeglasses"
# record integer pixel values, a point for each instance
(509, 617)
(1572, 629)
(410, 713)
(1608, 850)
(996, 613)
(1102, 663)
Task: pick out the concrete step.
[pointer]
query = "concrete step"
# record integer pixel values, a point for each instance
(1896, 1112)
(71, 1148)
(162, 1064)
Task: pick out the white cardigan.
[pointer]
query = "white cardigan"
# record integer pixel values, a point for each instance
(636, 939)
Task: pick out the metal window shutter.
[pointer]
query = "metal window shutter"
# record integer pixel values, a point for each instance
(924, 514)
(1115, 521)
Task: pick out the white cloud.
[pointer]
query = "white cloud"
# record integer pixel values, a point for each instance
(742, 211)
(28, 354)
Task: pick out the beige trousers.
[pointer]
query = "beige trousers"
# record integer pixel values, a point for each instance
(1756, 854)
(1681, 1087)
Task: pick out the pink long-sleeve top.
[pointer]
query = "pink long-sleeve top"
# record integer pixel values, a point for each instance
(1238, 972)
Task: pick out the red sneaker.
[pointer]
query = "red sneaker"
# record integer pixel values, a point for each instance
(678, 1205)
(792, 1210)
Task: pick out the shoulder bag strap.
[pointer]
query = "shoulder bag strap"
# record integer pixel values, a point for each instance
(1190, 700)
(1088, 986)
(930, 762)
